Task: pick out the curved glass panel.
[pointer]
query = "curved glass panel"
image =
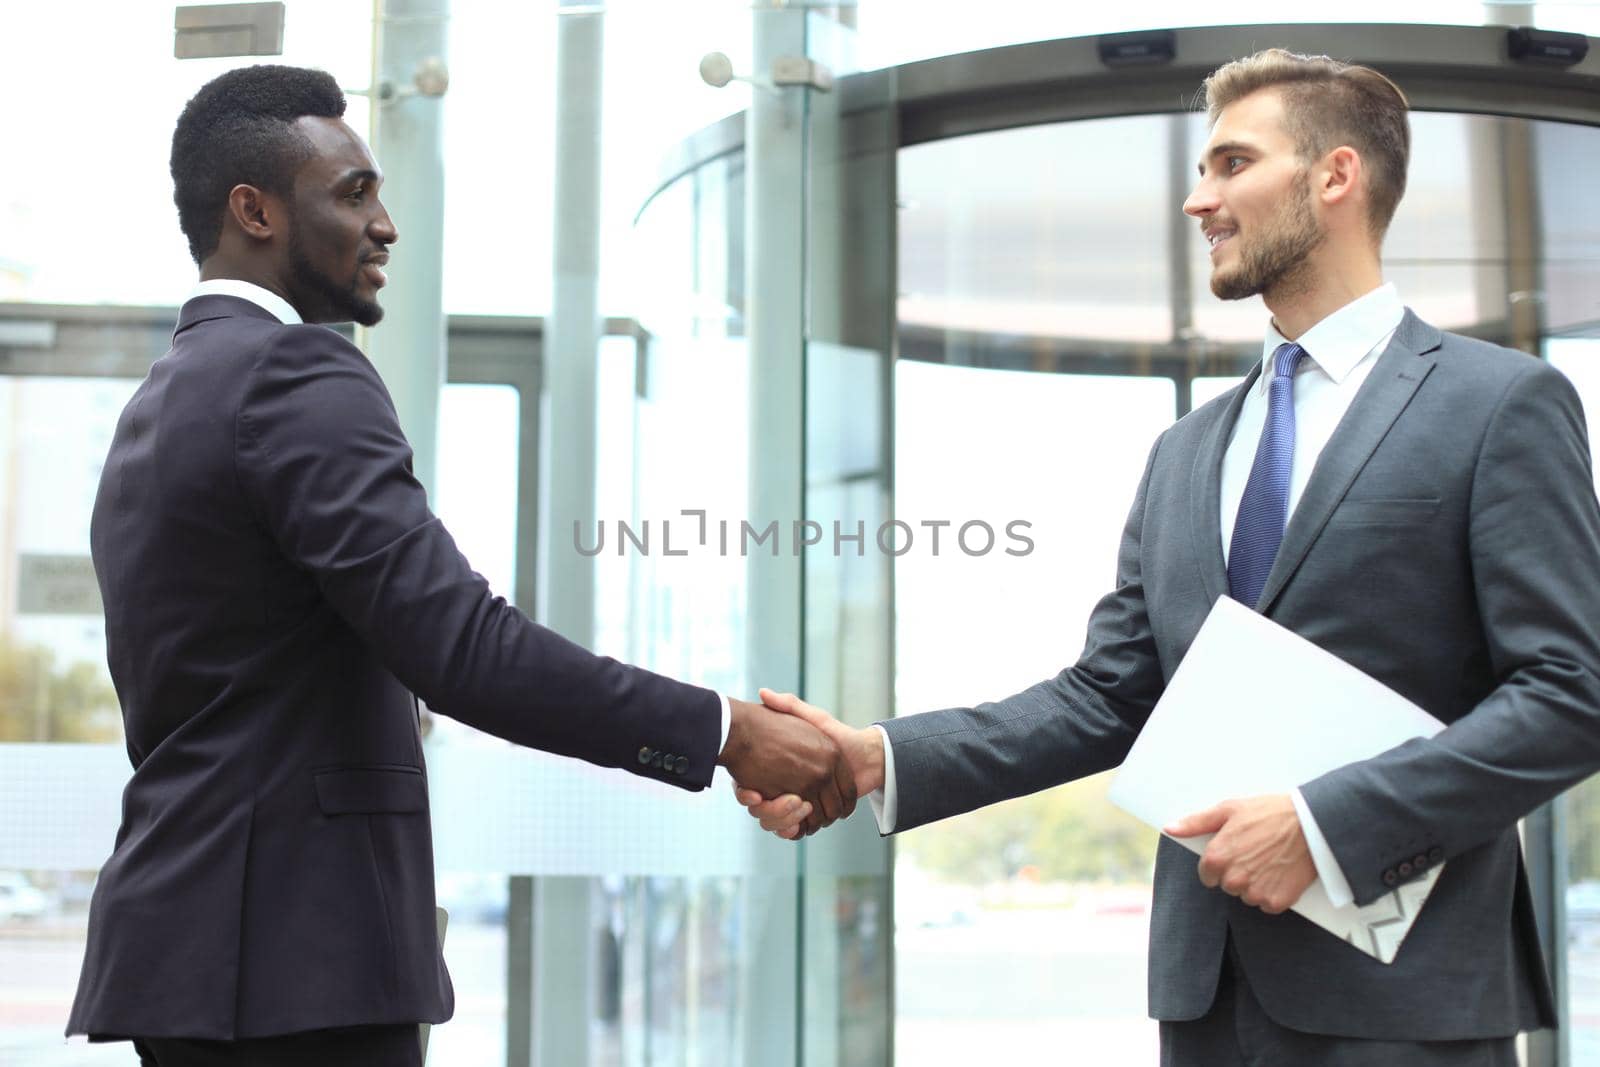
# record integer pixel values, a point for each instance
(1062, 231)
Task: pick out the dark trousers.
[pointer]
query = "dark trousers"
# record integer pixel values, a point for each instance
(361, 1046)
(1236, 1032)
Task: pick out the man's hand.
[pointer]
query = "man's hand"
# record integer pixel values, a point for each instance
(863, 752)
(1259, 853)
(779, 754)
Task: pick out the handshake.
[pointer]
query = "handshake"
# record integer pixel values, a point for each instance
(795, 767)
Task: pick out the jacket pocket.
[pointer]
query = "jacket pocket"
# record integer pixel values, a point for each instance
(1399, 512)
(371, 790)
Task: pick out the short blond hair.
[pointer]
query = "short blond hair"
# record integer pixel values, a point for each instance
(1326, 104)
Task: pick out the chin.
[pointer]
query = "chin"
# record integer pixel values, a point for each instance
(363, 312)
(1227, 287)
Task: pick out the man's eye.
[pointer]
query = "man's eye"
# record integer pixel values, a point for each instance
(1235, 162)
(358, 194)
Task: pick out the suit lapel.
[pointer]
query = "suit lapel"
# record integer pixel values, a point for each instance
(1205, 491)
(1381, 399)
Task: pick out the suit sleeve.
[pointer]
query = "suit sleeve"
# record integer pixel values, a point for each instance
(322, 460)
(1534, 545)
(1082, 721)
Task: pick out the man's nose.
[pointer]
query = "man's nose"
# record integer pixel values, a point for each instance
(1201, 202)
(383, 229)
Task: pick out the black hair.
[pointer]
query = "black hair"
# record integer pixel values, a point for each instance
(239, 129)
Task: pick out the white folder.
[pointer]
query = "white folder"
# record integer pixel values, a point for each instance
(1256, 709)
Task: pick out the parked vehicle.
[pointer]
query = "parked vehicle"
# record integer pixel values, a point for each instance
(21, 899)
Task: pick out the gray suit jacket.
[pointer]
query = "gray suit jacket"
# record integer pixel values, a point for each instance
(1448, 544)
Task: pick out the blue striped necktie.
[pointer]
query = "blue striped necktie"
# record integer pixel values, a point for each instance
(1264, 508)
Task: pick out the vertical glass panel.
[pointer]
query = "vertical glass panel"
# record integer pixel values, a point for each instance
(1579, 359)
(54, 433)
(1021, 926)
(54, 687)
(615, 451)
(1565, 159)
(477, 463)
(847, 998)
(476, 499)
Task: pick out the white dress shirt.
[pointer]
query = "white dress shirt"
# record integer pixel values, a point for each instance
(1341, 351)
(265, 299)
(284, 312)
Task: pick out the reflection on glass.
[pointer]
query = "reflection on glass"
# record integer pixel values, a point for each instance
(1043, 231)
(667, 982)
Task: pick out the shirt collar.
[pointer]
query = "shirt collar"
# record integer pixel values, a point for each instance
(265, 299)
(1342, 339)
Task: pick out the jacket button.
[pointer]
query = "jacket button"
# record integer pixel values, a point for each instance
(1419, 862)
(1390, 878)
(1435, 854)
(655, 761)
(683, 765)
(645, 753)
(1405, 869)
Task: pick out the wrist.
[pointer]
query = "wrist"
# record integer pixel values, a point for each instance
(738, 723)
(869, 771)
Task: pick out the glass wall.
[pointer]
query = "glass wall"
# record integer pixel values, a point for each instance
(55, 691)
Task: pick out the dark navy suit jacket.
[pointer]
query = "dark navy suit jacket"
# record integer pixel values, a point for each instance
(276, 589)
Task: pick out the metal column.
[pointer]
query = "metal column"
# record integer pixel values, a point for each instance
(407, 138)
(775, 168)
(562, 924)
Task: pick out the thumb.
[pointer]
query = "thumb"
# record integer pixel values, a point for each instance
(793, 705)
(1201, 822)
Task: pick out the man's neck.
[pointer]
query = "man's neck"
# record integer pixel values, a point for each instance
(1298, 307)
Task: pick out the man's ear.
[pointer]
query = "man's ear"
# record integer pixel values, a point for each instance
(256, 213)
(1340, 175)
